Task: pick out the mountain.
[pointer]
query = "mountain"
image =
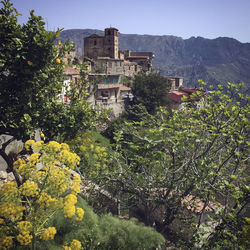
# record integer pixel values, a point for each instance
(215, 61)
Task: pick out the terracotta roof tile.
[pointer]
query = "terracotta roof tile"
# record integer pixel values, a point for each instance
(177, 95)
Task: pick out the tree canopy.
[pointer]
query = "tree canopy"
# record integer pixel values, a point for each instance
(31, 77)
(150, 90)
(168, 165)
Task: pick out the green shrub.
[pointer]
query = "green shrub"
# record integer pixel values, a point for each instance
(106, 232)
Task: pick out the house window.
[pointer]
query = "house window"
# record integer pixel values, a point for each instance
(94, 42)
(177, 83)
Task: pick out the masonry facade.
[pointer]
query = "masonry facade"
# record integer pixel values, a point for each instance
(109, 65)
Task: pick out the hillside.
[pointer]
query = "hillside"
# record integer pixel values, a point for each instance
(213, 60)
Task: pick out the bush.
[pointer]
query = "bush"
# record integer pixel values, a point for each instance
(106, 232)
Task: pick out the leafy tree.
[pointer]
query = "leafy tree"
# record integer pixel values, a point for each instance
(31, 80)
(135, 112)
(31, 77)
(191, 156)
(150, 90)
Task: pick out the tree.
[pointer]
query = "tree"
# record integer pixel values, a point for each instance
(31, 80)
(150, 90)
(31, 77)
(170, 164)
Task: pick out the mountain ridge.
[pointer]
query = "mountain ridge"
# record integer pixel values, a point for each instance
(218, 60)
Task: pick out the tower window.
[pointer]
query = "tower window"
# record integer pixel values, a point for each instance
(94, 42)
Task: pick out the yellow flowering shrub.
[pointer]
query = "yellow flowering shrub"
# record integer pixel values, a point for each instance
(79, 214)
(24, 226)
(6, 242)
(73, 245)
(28, 144)
(24, 238)
(9, 190)
(69, 205)
(25, 209)
(48, 234)
(94, 156)
(29, 188)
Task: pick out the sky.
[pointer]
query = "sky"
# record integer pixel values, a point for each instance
(183, 18)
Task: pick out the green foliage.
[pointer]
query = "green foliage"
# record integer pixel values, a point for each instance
(200, 154)
(31, 78)
(105, 232)
(133, 113)
(150, 90)
(92, 147)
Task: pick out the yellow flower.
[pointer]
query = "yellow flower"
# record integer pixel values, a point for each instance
(80, 213)
(67, 248)
(29, 188)
(22, 168)
(48, 234)
(29, 63)
(9, 190)
(28, 144)
(69, 159)
(75, 245)
(69, 205)
(54, 146)
(76, 184)
(58, 61)
(10, 210)
(65, 146)
(6, 242)
(24, 226)
(37, 146)
(45, 200)
(24, 238)
(34, 158)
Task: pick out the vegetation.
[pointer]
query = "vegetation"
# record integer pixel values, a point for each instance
(31, 76)
(168, 165)
(150, 90)
(184, 173)
(27, 206)
(105, 232)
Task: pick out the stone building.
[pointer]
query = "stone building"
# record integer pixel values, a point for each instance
(98, 46)
(102, 53)
(109, 65)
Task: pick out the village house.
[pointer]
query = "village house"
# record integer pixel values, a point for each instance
(109, 65)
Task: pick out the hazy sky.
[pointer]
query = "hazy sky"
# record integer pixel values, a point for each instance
(184, 18)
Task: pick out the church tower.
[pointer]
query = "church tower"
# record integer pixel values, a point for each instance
(111, 43)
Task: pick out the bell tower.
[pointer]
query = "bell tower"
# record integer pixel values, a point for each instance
(111, 43)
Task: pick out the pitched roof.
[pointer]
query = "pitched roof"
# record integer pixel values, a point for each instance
(176, 96)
